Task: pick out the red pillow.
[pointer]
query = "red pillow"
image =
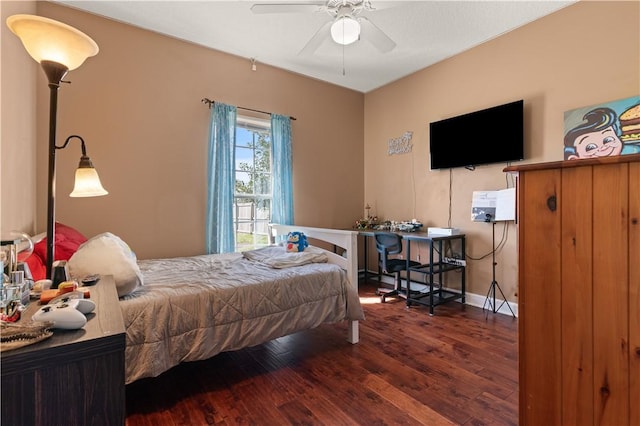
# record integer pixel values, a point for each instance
(37, 267)
(67, 240)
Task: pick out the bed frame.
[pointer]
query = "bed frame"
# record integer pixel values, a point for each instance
(342, 239)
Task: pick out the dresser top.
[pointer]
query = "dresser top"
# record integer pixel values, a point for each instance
(103, 324)
(630, 158)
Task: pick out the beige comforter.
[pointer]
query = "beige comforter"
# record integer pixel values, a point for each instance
(192, 308)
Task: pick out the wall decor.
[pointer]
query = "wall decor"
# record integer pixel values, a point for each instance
(401, 145)
(608, 129)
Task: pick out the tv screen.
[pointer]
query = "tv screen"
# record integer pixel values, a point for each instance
(492, 135)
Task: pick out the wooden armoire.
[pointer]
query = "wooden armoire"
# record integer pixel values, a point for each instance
(579, 291)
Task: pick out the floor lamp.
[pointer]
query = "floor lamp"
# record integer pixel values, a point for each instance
(58, 48)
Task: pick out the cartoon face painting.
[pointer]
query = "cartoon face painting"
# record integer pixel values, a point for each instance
(597, 144)
(599, 134)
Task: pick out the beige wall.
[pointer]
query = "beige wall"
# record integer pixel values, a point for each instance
(137, 105)
(17, 128)
(581, 55)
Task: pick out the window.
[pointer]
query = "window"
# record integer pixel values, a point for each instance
(253, 190)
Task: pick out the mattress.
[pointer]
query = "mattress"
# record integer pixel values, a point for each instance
(192, 308)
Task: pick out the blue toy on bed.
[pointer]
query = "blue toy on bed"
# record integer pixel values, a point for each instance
(296, 241)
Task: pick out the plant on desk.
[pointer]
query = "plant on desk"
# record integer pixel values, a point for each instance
(387, 225)
(370, 222)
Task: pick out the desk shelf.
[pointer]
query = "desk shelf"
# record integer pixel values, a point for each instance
(436, 294)
(434, 271)
(437, 268)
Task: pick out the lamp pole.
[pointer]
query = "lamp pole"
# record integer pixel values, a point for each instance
(55, 73)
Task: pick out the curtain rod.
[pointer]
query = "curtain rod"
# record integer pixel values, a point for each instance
(209, 102)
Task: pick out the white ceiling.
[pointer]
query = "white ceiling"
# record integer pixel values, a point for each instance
(425, 32)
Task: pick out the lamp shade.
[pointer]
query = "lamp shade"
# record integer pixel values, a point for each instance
(87, 183)
(345, 30)
(49, 40)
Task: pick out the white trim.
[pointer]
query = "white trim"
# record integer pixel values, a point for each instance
(253, 122)
(471, 299)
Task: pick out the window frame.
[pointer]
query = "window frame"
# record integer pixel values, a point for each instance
(253, 224)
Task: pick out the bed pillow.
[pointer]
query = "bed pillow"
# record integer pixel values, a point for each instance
(66, 242)
(278, 257)
(37, 267)
(107, 254)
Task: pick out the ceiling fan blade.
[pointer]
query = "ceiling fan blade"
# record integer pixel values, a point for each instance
(376, 36)
(302, 7)
(317, 39)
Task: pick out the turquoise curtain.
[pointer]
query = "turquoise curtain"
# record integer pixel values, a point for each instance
(221, 180)
(282, 209)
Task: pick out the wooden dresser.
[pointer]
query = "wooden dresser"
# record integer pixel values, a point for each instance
(579, 292)
(74, 377)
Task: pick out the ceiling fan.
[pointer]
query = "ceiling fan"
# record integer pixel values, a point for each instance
(346, 26)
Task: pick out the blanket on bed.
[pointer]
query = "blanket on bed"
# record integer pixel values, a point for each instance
(279, 257)
(192, 308)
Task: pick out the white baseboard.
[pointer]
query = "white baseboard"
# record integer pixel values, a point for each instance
(471, 299)
(482, 302)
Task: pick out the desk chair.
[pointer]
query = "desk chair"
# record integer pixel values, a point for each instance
(390, 243)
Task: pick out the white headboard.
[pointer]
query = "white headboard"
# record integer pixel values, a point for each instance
(345, 239)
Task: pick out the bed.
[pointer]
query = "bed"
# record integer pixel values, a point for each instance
(192, 308)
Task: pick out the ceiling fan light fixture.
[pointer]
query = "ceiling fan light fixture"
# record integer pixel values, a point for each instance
(345, 30)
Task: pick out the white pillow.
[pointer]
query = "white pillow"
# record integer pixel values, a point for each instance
(107, 254)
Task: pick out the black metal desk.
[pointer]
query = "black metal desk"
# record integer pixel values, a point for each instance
(438, 264)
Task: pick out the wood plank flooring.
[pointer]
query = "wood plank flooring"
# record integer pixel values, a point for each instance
(458, 367)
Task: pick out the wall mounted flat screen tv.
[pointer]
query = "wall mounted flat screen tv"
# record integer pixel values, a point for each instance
(492, 135)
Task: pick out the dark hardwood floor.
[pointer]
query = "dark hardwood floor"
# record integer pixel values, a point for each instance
(456, 367)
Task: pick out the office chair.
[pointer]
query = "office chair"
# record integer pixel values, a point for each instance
(389, 243)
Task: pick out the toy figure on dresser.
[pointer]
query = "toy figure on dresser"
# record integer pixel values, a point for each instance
(14, 296)
(10, 310)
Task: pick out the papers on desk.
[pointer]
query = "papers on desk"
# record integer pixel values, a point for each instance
(491, 206)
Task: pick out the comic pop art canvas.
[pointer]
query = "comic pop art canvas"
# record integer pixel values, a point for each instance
(603, 130)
